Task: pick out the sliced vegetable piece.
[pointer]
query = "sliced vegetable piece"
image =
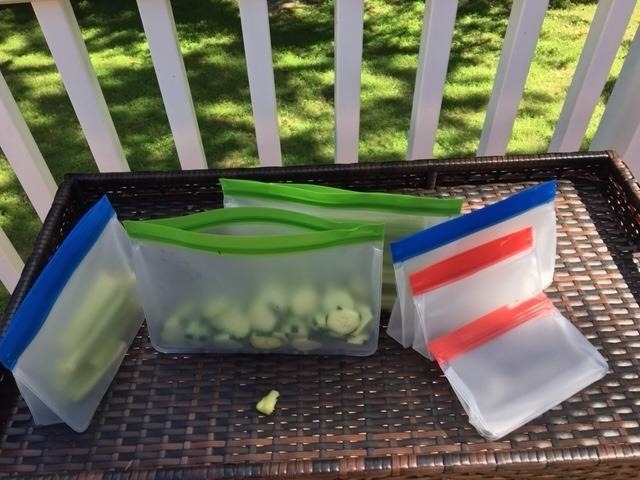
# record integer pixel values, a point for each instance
(304, 301)
(173, 330)
(267, 404)
(305, 344)
(337, 299)
(233, 323)
(319, 321)
(262, 318)
(343, 321)
(294, 327)
(365, 318)
(265, 342)
(215, 307)
(196, 331)
(274, 295)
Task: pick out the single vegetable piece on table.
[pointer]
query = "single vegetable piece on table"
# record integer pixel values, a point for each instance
(267, 404)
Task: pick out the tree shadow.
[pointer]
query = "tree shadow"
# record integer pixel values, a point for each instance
(302, 48)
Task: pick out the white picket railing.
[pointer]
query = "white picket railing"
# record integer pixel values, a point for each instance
(619, 128)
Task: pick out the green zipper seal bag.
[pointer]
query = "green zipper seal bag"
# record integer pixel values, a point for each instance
(332, 197)
(184, 232)
(316, 291)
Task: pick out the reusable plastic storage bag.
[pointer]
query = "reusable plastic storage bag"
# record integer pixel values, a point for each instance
(401, 214)
(313, 289)
(515, 363)
(67, 339)
(452, 292)
(533, 206)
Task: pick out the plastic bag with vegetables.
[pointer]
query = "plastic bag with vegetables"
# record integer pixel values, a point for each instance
(401, 214)
(67, 339)
(314, 288)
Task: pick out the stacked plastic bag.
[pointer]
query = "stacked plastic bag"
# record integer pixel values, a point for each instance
(471, 297)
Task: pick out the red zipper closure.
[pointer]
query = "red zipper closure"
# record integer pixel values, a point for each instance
(486, 328)
(470, 261)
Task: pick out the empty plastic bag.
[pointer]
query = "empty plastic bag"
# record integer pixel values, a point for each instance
(533, 207)
(452, 292)
(515, 363)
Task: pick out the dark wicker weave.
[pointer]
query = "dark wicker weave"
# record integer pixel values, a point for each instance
(391, 414)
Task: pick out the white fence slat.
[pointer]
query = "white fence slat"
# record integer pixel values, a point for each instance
(433, 60)
(162, 37)
(23, 154)
(598, 54)
(349, 18)
(254, 19)
(619, 127)
(10, 263)
(62, 33)
(519, 45)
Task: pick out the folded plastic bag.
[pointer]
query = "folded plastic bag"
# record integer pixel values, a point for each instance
(515, 363)
(533, 206)
(401, 214)
(313, 291)
(67, 339)
(452, 292)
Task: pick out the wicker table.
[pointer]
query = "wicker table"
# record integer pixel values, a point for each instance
(391, 414)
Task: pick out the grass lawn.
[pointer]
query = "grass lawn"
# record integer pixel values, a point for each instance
(302, 40)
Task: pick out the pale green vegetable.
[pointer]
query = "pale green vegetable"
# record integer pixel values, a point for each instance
(304, 301)
(265, 342)
(83, 381)
(305, 344)
(196, 331)
(275, 296)
(337, 299)
(262, 318)
(215, 307)
(267, 404)
(234, 323)
(294, 327)
(224, 340)
(319, 320)
(173, 330)
(358, 339)
(343, 321)
(365, 318)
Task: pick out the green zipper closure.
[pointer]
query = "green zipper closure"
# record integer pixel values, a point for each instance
(339, 198)
(253, 245)
(228, 216)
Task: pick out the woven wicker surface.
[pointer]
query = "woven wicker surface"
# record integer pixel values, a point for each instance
(390, 414)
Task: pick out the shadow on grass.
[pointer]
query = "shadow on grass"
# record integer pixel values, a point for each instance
(211, 41)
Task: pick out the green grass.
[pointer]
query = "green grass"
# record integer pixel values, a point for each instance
(302, 40)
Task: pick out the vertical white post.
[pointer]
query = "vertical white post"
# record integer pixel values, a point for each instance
(619, 127)
(23, 154)
(254, 18)
(349, 18)
(62, 33)
(10, 263)
(519, 46)
(606, 32)
(435, 48)
(160, 29)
